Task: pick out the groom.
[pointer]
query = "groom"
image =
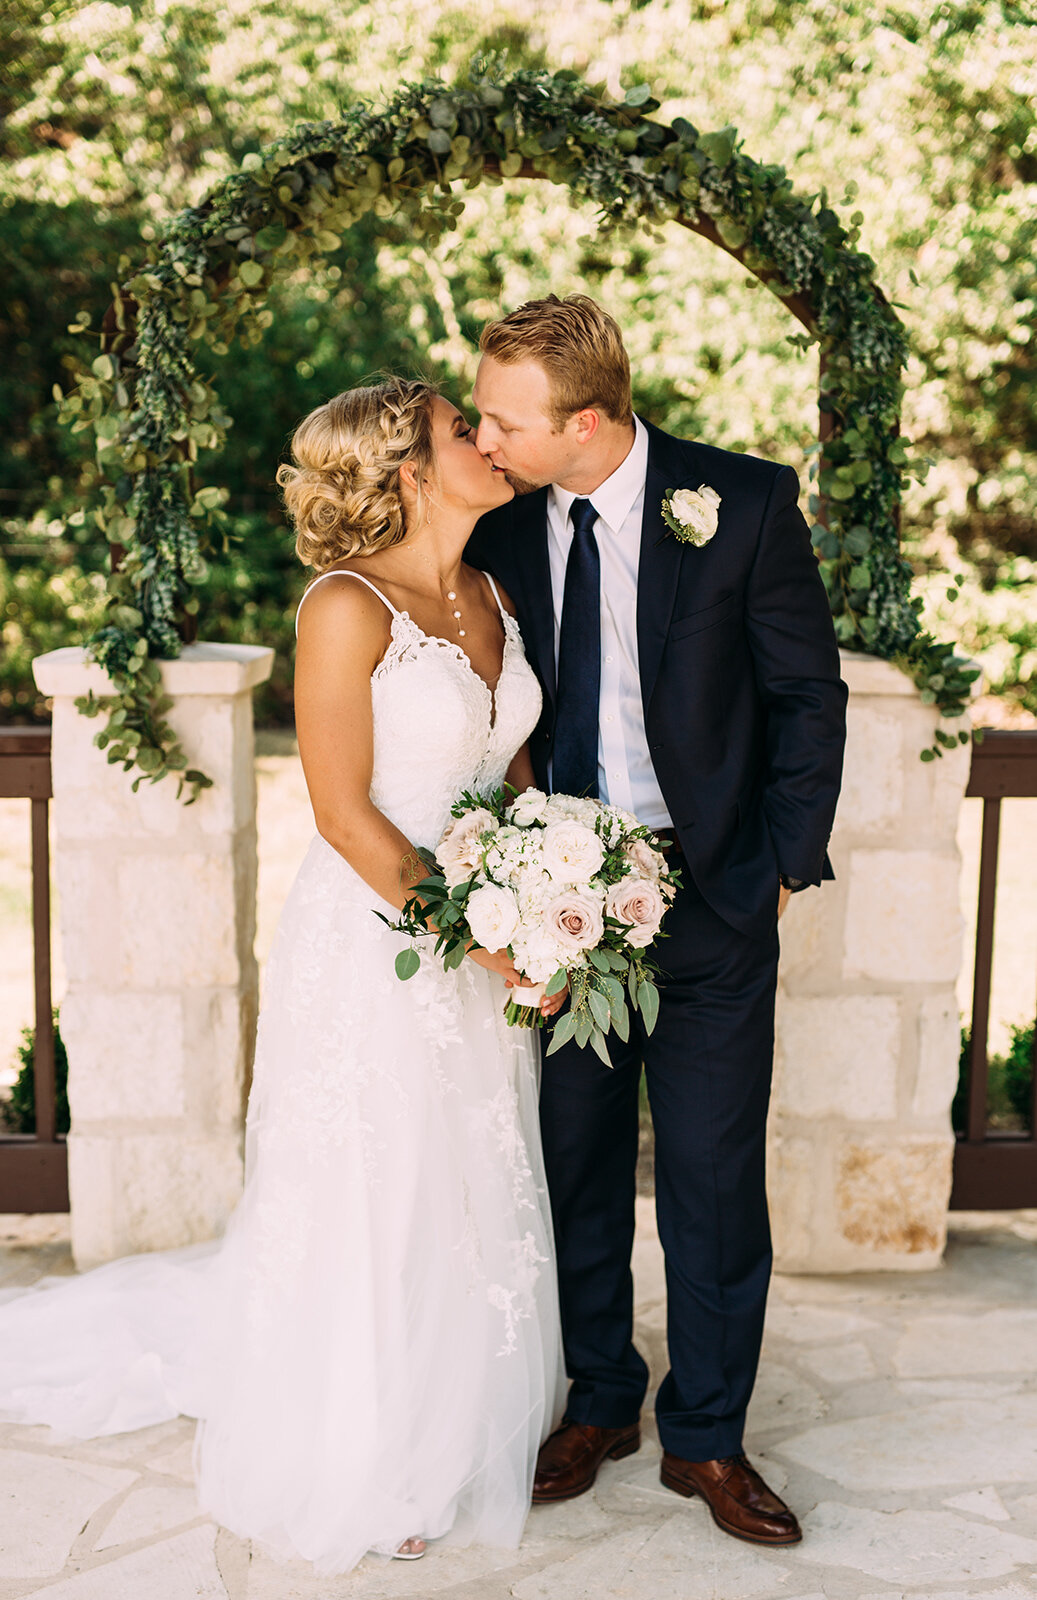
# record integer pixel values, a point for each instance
(696, 685)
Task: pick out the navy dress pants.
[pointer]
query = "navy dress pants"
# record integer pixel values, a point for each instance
(708, 1069)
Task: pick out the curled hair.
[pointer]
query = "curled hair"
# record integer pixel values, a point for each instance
(342, 491)
(578, 345)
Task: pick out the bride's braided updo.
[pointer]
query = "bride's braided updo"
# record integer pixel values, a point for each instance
(343, 492)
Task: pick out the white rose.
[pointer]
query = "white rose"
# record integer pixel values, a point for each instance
(696, 510)
(639, 903)
(572, 853)
(575, 919)
(493, 916)
(573, 808)
(528, 808)
(459, 852)
(646, 862)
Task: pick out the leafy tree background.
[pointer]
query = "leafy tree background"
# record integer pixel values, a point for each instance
(919, 115)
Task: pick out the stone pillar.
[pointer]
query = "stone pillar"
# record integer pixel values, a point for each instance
(157, 906)
(866, 1055)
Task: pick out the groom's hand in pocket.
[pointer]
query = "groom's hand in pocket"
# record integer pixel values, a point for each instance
(784, 896)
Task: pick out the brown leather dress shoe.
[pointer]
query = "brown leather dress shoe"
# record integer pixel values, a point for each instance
(569, 1460)
(739, 1500)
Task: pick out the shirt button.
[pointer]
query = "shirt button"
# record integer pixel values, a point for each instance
(608, 660)
(608, 719)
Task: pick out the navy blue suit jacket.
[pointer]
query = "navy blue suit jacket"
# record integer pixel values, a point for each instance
(744, 708)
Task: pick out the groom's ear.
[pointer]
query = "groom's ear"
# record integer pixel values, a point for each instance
(587, 423)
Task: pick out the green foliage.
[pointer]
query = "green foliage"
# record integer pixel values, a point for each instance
(112, 118)
(46, 601)
(992, 607)
(152, 411)
(1009, 1082)
(18, 1111)
(135, 734)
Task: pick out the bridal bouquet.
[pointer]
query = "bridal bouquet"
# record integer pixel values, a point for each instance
(574, 890)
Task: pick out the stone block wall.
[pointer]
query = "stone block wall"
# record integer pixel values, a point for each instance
(157, 906)
(158, 919)
(867, 1031)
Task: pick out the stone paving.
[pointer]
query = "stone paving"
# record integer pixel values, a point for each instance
(898, 1413)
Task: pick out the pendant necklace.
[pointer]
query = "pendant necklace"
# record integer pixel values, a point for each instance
(451, 594)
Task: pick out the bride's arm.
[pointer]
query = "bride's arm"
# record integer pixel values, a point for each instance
(520, 774)
(343, 634)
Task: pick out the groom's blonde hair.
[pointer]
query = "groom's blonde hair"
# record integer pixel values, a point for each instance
(579, 347)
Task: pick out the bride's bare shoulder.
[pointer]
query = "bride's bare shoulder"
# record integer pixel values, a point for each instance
(339, 609)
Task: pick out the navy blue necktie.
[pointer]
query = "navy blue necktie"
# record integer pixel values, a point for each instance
(575, 764)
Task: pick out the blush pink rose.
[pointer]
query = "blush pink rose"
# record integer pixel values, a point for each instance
(575, 920)
(459, 852)
(639, 903)
(647, 863)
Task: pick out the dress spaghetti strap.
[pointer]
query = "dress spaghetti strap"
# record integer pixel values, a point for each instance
(343, 573)
(504, 614)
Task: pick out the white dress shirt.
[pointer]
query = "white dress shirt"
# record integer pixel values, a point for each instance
(626, 776)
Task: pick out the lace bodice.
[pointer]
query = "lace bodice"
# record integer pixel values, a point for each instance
(438, 728)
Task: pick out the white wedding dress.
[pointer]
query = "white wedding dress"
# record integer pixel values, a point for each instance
(373, 1349)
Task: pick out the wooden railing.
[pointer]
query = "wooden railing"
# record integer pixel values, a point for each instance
(34, 1166)
(994, 1170)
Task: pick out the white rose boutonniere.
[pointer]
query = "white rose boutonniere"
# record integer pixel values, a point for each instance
(691, 514)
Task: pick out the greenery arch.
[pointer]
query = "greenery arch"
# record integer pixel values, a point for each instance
(152, 414)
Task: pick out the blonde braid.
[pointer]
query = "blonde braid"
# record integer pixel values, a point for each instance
(343, 491)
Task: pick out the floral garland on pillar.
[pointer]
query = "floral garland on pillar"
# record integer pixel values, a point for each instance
(205, 280)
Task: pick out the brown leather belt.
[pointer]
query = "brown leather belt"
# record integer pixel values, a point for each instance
(668, 841)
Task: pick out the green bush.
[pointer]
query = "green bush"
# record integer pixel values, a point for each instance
(18, 1112)
(108, 130)
(47, 599)
(1009, 1082)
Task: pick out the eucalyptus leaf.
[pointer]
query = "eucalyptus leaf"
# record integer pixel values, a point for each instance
(599, 1008)
(648, 1003)
(598, 1045)
(563, 1030)
(407, 963)
(719, 147)
(615, 993)
(621, 1023)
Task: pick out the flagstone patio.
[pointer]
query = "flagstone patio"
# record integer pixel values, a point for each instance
(897, 1413)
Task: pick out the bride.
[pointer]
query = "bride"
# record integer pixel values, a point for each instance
(373, 1349)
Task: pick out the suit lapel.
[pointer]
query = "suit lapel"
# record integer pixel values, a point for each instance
(669, 467)
(532, 563)
(660, 557)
